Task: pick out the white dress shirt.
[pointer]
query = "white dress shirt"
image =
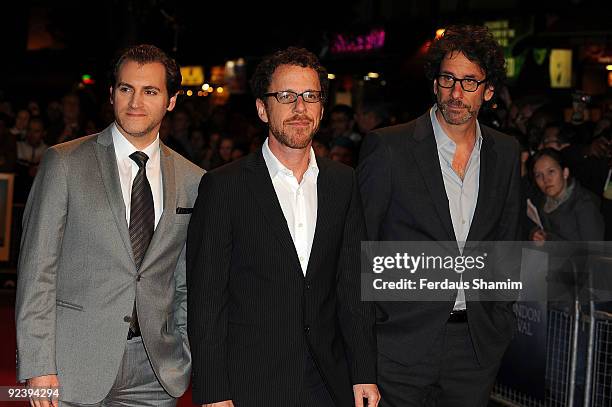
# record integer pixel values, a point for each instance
(462, 194)
(298, 201)
(128, 170)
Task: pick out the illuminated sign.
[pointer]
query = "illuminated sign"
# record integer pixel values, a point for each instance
(561, 68)
(342, 43)
(192, 75)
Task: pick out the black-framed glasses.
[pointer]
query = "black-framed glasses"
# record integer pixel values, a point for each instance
(467, 84)
(288, 96)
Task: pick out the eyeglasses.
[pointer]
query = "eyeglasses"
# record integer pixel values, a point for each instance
(467, 84)
(288, 96)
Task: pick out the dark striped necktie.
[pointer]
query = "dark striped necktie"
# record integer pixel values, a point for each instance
(142, 221)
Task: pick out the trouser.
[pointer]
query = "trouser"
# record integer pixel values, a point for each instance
(314, 392)
(448, 376)
(136, 383)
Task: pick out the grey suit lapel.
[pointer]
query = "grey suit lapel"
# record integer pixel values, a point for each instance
(169, 192)
(107, 163)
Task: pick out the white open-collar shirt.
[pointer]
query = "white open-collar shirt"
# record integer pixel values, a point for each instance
(298, 201)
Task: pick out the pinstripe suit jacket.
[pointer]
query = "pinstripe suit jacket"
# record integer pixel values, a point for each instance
(252, 312)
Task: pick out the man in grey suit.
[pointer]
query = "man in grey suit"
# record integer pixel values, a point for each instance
(101, 299)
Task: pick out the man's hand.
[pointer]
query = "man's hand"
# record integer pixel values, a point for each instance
(226, 403)
(366, 391)
(43, 382)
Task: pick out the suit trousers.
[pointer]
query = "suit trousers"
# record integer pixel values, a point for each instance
(449, 376)
(314, 392)
(135, 385)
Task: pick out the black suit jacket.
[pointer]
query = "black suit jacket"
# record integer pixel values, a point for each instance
(404, 199)
(252, 313)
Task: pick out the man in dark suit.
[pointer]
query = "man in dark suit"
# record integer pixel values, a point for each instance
(273, 262)
(444, 177)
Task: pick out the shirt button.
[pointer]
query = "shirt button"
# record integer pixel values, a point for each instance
(138, 278)
(301, 258)
(462, 222)
(127, 318)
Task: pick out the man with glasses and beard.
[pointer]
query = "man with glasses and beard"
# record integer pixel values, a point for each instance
(444, 177)
(275, 317)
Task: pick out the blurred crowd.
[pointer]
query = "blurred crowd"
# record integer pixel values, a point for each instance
(566, 157)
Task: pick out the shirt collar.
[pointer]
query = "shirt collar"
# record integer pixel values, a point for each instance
(123, 148)
(275, 166)
(442, 138)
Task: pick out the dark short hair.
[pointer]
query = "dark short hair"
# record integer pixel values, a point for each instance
(147, 54)
(346, 110)
(546, 152)
(476, 43)
(260, 82)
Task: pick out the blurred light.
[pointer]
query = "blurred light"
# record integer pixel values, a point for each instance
(189, 92)
(87, 79)
(331, 76)
(200, 93)
(220, 89)
(609, 67)
(439, 32)
(383, 83)
(240, 61)
(205, 86)
(373, 75)
(181, 92)
(230, 64)
(366, 78)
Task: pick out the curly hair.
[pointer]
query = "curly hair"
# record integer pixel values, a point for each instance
(476, 43)
(260, 82)
(147, 54)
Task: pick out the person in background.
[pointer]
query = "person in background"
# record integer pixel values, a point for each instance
(568, 212)
(342, 122)
(343, 150)
(20, 129)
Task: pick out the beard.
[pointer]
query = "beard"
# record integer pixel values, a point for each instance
(451, 117)
(296, 138)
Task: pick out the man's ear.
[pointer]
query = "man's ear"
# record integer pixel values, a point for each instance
(111, 95)
(322, 112)
(172, 102)
(435, 87)
(488, 93)
(566, 173)
(261, 110)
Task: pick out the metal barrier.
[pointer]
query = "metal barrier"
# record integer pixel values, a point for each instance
(576, 352)
(601, 390)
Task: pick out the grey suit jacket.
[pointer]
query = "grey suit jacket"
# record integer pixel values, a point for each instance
(78, 280)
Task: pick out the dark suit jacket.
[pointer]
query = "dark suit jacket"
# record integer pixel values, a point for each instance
(404, 199)
(252, 313)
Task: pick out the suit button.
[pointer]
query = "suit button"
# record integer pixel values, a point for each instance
(308, 286)
(307, 329)
(138, 278)
(127, 318)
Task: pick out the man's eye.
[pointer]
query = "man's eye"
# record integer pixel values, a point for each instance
(124, 89)
(284, 96)
(151, 92)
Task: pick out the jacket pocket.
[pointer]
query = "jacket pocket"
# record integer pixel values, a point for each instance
(66, 304)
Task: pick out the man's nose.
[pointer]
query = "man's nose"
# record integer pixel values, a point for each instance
(299, 105)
